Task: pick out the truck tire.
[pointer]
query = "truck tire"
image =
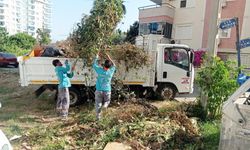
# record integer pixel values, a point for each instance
(166, 92)
(74, 96)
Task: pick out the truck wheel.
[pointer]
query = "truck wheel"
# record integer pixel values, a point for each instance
(74, 96)
(166, 92)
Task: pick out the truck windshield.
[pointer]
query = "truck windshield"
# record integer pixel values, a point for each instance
(177, 57)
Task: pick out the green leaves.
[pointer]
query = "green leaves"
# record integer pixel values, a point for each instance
(94, 31)
(217, 80)
(3, 36)
(132, 33)
(22, 40)
(18, 44)
(43, 36)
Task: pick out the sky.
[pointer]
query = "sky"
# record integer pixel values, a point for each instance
(66, 13)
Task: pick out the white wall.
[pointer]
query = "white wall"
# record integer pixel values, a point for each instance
(192, 15)
(159, 11)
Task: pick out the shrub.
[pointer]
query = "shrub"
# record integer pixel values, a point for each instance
(217, 80)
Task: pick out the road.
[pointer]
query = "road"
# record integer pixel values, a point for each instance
(189, 97)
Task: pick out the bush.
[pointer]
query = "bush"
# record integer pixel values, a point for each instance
(18, 44)
(217, 80)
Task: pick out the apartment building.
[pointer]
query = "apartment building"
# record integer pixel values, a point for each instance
(25, 15)
(187, 22)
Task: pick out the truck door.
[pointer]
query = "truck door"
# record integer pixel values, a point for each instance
(175, 67)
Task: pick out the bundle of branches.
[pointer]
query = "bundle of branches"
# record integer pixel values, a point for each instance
(95, 30)
(132, 56)
(67, 47)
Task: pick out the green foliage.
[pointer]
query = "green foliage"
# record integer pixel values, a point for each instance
(3, 37)
(132, 33)
(43, 36)
(58, 145)
(95, 30)
(18, 44)
(217, 80)
(111, 135)
(117, 37)
(22, 40)
(196, 110)
(210, 132)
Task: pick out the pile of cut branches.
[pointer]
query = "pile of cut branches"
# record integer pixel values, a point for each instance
(136, 123)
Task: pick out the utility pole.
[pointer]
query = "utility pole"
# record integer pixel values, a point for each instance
(213, 28)
(212, 39)
(238, 43)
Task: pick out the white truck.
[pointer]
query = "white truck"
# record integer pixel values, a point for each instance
(170, 71)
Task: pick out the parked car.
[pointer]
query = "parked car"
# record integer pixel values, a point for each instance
(7, 59)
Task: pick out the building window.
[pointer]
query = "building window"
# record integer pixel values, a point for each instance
(32, 23)
(184, 32)
(183, 3)
(18, 9)
(31, 18)
(225, 33)
(1, 11)
(31, 28)
(1, 17)
(143, 29)
(1, 23)
(32, 12)
(168, 30)
(153, 27)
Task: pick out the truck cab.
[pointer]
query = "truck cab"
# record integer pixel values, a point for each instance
(175, 70)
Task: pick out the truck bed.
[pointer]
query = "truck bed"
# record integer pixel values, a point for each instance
(39, 70)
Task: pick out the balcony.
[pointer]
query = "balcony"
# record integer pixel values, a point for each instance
(157, 1)
(157, 13)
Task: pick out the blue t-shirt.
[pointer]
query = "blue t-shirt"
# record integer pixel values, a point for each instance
(104, 77)
(63, 79)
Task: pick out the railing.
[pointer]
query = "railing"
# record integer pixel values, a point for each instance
(156, 6)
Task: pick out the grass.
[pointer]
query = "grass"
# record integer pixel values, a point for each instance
(5, 90)
(210, 132)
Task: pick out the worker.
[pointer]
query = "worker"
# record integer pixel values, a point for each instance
(63, 99)
(103, 83)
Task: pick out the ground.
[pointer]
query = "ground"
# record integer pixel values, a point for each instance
(136, 123)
